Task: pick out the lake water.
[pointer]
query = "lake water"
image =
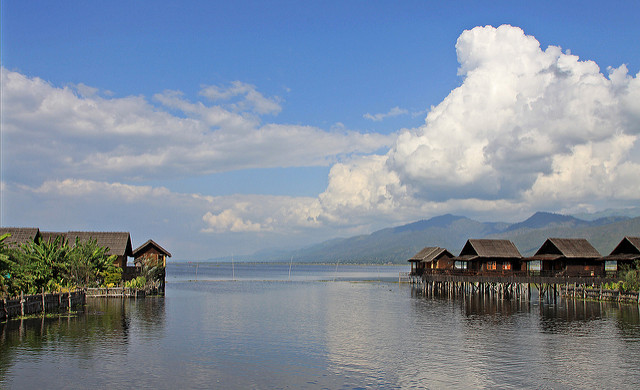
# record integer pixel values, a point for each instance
(320, 326)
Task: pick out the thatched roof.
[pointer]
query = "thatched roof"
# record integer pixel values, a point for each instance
(51, 236)
(19, 236)
(119, 243)
(486, 248)
(628, 249)
(568, 248)
(150, 243)
(430, 253)
(628, 245)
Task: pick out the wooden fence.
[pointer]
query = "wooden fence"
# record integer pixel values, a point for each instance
(583, 292)
(114, 292)
(32, 304)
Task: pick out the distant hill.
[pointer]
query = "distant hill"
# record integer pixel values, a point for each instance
(603, 236)
(630, 212)
(397, 244)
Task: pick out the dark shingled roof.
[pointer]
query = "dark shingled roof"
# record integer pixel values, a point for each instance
(142, 248)
(489, 248)
(568, 248)
(429, 253)
(19, 235)
(119, 243)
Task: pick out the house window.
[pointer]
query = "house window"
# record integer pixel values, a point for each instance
(535, 265)
(507, 266)
(491, 265)
(460, 265)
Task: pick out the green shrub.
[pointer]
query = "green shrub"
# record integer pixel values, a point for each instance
(139, 282)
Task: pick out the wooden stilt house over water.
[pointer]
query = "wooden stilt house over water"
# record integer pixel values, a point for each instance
(490, 256)
(19, 236)
(151, 254)
(431, 258)
(567, 257)
(626, 253)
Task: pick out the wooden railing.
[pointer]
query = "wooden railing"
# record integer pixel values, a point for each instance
(551, 274)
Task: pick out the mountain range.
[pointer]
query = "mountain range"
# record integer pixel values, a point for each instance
(397, 244)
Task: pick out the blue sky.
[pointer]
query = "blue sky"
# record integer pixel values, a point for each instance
(229, 127)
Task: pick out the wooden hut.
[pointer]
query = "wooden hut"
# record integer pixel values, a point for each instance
(150, 253)
(568, 257)
(431, 257)
(19, 236)
(627, 252)
(119, 243)
(485, 255)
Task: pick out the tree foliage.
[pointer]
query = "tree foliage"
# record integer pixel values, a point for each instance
(53, 265)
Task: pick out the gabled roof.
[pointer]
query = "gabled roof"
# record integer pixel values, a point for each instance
(627, 250)
(430, 253)
(567, 247)
(628, 245)
(119, 243)
(150, 243)
(19, 236)
(475, 248)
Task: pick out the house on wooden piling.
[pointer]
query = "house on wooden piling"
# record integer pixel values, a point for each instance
(486, 255)
(19, 236)
(627, 252)
(567, 257)
(150, 254)
(431, 257)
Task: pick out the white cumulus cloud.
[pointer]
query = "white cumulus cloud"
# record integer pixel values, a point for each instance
(526, 127)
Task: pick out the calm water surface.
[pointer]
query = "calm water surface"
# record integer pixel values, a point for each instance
(320, 326)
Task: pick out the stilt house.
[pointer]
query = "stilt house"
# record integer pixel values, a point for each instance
(567, 257)
(484, 255)
(151, 254)
(431, 258)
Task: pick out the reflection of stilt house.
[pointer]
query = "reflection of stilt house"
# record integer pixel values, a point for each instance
(431, 258)
(486, 255)
(150, 254)
(626, 253)
(568, 256)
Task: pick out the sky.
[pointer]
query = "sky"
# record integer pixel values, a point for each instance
(224, 128)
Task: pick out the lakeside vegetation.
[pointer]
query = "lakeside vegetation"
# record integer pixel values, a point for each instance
(57, 266)
(628, 279)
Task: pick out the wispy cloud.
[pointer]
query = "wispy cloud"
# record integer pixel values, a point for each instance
(395, 111)
(85, 135)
